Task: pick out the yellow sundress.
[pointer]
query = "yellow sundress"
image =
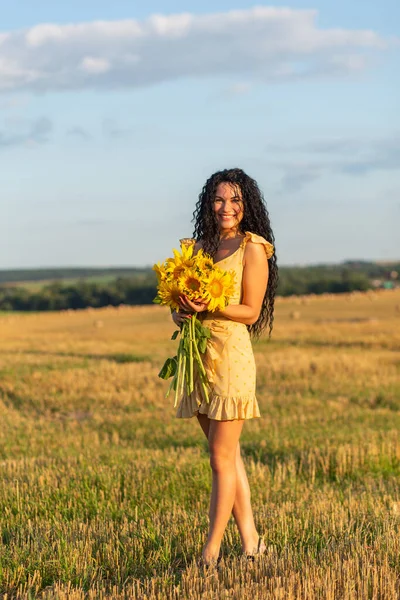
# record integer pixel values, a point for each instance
(228, 359)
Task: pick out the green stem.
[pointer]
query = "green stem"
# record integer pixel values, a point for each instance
(177, 379)
(198, 358)
(191, 382)
(178, 373)
(202, 374)
(172, 385)
(205, 392)
(183, 373)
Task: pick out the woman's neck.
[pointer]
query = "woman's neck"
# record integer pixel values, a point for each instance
(230, 234)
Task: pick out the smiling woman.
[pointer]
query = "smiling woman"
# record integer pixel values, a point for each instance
(232, 225)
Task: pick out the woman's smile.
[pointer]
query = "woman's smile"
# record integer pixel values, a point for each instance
(228, 198)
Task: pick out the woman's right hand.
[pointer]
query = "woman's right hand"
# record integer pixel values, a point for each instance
(180, 317)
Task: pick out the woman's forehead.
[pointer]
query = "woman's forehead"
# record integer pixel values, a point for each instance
(228, 189)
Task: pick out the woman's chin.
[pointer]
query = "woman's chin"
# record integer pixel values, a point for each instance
(226, 224)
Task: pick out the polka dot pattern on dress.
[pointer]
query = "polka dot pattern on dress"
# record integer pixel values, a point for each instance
(229, 359)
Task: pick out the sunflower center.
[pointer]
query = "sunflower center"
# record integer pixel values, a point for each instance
(193, 284)
(216, 288)
(175, 293)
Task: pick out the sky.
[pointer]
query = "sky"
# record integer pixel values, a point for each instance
(114, 114)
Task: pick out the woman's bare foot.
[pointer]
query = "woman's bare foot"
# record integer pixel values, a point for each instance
(210, 555)
(255, 548)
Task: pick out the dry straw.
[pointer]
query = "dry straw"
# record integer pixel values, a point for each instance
(103, 494)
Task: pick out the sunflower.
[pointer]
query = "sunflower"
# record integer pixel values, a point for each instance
(181, 261)
(191, 283)
(218, 289)
(204, 261)
(169, 292)
(160, 272)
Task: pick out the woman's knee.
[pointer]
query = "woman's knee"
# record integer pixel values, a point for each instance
(221, 461)
(238, 454)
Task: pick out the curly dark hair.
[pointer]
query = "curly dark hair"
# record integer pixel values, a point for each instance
(255, 219)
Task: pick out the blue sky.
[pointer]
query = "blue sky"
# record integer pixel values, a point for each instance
(112, 116)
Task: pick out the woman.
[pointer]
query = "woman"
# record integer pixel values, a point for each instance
(233, 226)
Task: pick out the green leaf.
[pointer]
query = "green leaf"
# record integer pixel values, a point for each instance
(202, 331)
(202, 345)
(169, 368)
(186, 340)
(157, 300)
(175, 334)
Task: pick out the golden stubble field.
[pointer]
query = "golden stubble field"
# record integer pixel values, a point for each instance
(104, 494)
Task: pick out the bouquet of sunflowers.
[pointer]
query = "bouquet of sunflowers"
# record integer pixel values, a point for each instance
(196, 277)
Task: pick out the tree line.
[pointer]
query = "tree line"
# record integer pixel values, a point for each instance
(140, 287)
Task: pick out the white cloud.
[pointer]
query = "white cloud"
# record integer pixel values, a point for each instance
(266, 43)
(95, 65)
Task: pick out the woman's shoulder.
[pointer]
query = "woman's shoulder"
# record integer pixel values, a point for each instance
(254, 238)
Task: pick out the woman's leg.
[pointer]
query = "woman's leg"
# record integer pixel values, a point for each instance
(242, 510)
(223, 437)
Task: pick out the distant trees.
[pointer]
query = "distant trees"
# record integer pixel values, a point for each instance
(321, 280)
(69, 273)
(56, 296)
(141, 288)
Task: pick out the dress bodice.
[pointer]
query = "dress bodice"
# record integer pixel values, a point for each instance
(228, 359)
(235, 262)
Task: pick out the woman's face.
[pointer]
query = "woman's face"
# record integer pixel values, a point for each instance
(228, 207)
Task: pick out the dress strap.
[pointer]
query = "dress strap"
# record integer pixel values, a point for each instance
(258, 239)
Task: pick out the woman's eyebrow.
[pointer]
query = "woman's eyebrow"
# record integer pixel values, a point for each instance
(232, 198)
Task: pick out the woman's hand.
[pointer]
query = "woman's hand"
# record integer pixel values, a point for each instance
(199, 305)
(187, 308)
(180, 317)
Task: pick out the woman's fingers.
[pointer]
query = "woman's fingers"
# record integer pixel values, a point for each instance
(184, 302)
(197, 306)
(190, 306)
(189, 303)
(183, 307)
(181, 316)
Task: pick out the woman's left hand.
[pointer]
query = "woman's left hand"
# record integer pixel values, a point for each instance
(192, 306)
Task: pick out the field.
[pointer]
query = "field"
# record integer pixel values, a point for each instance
(104, 494)
(35, 286)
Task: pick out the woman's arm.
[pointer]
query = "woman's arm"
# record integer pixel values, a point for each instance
(254, 282)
